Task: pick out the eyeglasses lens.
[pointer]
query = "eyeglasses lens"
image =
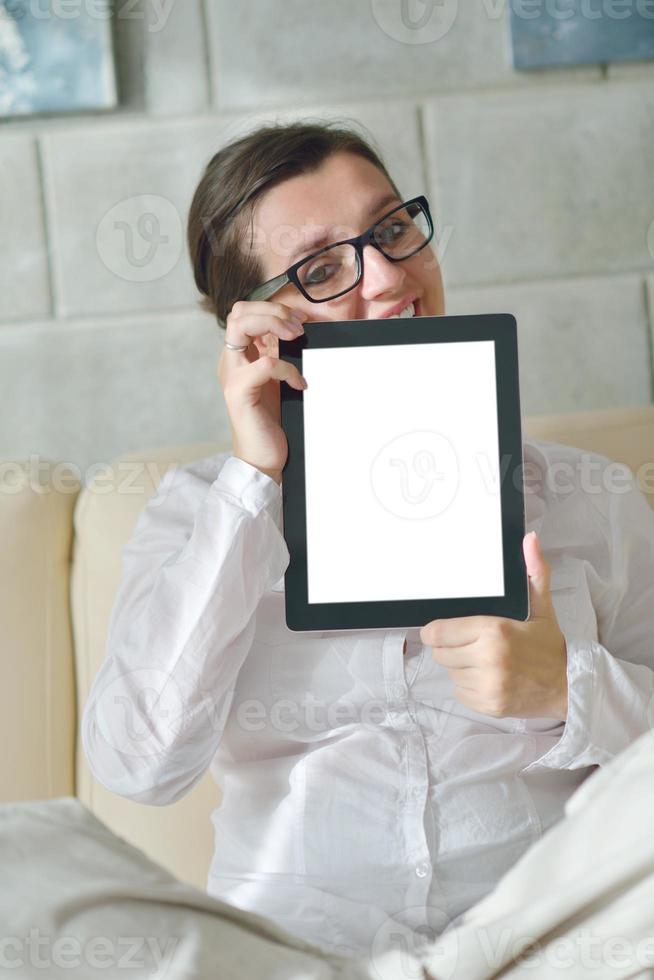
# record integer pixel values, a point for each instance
(333, 271)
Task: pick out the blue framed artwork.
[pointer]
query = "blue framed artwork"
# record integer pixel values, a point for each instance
(556, 33)
(55, 56)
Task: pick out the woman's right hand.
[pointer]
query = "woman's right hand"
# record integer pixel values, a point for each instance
(250, 382)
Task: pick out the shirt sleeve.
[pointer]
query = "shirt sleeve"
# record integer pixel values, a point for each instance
(611, 679)
(204, 550)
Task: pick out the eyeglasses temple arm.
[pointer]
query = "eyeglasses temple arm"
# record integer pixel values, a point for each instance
(267, 289)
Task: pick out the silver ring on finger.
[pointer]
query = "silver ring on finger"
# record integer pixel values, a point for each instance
(235, 346)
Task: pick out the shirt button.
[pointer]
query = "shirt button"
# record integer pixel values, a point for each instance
(398, 690)
(422, 869)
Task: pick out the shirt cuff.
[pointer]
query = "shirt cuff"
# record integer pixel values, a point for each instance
(253, 489)
(572, 749)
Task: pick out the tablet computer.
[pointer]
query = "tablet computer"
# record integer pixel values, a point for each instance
(403, 493)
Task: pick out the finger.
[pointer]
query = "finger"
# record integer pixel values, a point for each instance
(265, 308)
(539, 572)
(256, 326)
(242, 329)
(453, 632)
(268, 368)
(456, 657)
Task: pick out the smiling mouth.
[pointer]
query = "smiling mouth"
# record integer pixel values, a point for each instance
(404, 314)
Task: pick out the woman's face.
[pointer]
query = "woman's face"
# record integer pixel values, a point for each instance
(340, 200)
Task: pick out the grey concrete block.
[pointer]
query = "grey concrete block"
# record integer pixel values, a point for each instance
(86, 391)
(118, 203)
(530, 188)
(582, 343)
(630, 70)
(161, 56)
(303, 51)
(24, 281)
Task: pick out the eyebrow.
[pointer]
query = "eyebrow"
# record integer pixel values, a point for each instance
(324, 239)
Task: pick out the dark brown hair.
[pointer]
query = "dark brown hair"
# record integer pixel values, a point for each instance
(234, 179)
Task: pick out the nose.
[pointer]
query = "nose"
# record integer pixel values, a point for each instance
(379, 274)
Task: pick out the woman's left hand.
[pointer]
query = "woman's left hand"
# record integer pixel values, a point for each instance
(504, 667)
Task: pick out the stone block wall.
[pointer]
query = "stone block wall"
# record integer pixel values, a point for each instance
(541, 183)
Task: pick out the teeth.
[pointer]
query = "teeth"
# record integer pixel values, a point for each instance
(408, 311)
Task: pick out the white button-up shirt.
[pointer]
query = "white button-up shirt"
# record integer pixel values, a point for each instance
(359, 795)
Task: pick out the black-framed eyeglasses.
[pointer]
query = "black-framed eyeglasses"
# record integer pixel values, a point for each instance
(337, 268)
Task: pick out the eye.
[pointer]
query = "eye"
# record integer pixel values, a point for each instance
(318, 273)
(392, 231)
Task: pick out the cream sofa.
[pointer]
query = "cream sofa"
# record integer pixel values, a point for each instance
(60, 568)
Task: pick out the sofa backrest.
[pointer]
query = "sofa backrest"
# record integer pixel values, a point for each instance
(625, 435)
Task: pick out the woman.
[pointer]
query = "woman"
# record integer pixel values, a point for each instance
(368, 778)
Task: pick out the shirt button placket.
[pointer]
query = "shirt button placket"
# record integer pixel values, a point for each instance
(402, 718)
(398, 691)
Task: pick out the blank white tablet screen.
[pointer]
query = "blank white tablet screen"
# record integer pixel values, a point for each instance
(402, 472)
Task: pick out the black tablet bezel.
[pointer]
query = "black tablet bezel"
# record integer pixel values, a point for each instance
(514, 604)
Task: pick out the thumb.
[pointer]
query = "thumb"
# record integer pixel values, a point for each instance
(538, 570)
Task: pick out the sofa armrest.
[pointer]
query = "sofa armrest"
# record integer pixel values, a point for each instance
(37, 680)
